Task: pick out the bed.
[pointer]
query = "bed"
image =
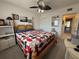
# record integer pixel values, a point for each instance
(34, 43)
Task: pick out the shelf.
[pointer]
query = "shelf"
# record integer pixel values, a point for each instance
(5, 35)
(4, 26)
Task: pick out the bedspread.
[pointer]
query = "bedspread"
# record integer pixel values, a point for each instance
(28, 40)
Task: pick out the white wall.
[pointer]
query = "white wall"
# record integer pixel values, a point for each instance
(36, 21)
(7, 9)
(45, 19)
(42, 21)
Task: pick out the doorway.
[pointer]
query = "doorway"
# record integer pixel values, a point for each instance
(68, 25)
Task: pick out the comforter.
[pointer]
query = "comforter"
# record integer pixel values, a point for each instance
(29, 40)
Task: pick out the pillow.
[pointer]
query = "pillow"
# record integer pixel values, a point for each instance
(29, 27)
(20, 27)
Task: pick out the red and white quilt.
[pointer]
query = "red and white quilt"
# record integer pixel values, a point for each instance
(28, 40)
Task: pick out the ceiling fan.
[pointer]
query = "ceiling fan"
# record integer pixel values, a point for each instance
(41, 6)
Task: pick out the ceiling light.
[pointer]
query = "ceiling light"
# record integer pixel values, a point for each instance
(40, 11)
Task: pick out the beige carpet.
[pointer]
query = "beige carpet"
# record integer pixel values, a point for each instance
(56, 52)
(12, 53)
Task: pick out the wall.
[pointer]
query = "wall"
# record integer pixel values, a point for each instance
(42, 21)
(45, 19)
(36, 21)
(7, 9)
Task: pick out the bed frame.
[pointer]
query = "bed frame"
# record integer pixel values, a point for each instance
(35, 55)
(38, 54)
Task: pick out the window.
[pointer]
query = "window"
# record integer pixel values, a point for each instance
(55, 21)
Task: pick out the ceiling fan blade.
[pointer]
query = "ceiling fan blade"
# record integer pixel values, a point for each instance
(43, 6)
(41, 3)
(34, 7)
(47, 7)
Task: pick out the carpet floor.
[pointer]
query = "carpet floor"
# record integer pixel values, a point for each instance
(55, 52)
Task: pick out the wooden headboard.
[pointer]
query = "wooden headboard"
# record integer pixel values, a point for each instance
(23, 27)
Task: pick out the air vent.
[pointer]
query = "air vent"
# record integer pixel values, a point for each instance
(69, 9)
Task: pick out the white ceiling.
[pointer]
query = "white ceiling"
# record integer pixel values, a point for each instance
(55, 4)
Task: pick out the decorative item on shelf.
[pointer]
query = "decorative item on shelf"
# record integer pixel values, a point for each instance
(9, 18)
(15, 16)
(2, 22)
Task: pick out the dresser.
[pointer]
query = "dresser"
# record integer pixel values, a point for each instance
(70, 52)
(7, 37)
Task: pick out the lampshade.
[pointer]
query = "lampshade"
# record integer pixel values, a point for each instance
(9, 18)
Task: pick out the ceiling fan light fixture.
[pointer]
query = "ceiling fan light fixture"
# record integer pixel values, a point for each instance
(40, 11)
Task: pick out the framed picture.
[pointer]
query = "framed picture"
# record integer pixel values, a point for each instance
(23, 19)
(30, 21)
(2, 22)
(15, 16)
